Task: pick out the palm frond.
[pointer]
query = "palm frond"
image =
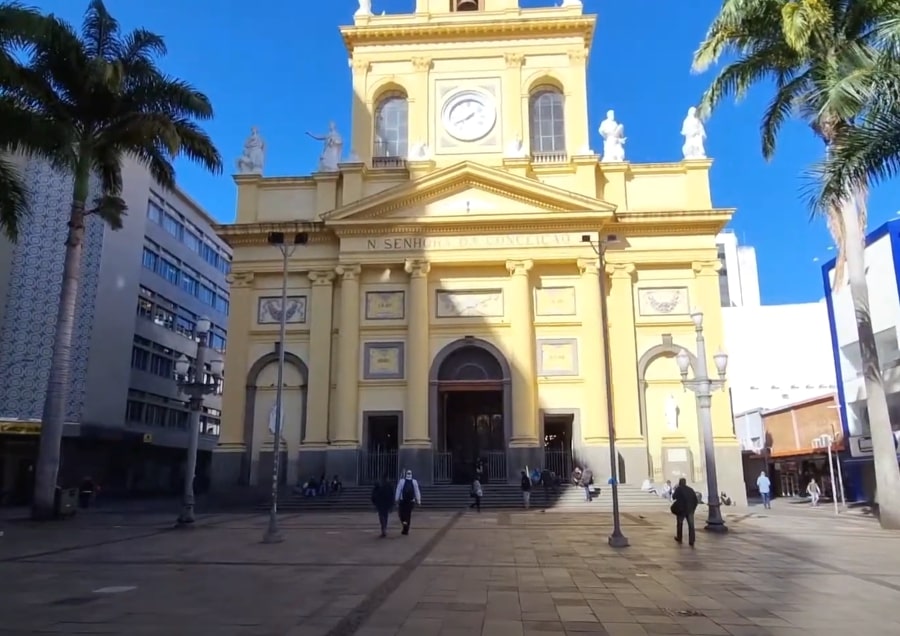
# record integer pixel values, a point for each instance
(13, 199)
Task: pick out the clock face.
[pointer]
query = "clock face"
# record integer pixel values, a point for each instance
(469, 115)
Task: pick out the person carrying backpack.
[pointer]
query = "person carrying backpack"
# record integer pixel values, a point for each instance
(526, 489)
(407, 497)
(684, 503)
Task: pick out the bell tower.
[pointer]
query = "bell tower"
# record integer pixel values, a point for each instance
(484, 81)
(435, 7)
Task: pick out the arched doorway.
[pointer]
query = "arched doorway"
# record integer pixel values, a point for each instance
(259, 400)
(470, 406)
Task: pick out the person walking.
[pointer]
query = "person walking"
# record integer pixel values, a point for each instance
(383, 500)
(684, 504)
(407, 497)
(526, 489)
(814, 492)
(587, 480)
(765, 489)
(477, 493)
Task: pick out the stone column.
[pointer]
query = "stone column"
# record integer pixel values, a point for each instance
(319, 385)
(592, 362)
(418, 102)
(415, 422)
(234, 454)
(630, 444)
(416, 451)
(522, 356)
(345, 429)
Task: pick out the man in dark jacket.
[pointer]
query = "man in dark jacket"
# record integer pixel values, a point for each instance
(684, 503)
(383, 500)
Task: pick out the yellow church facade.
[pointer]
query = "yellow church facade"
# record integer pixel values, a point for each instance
(446, 306)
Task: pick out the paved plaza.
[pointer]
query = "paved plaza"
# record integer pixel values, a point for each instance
(533, 573)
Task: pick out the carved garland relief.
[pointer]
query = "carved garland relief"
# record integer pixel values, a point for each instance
(663, 301)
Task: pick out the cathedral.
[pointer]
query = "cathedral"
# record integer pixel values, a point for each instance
(468, 281)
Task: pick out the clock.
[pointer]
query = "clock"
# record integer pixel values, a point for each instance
(469, 115)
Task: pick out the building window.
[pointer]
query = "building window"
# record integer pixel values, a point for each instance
(192, 241)
(547, 121)
(209, 254)
(154, 415)
(224, 266)
(168, 270)
(222, 304)
(207, 296)
(173, 226)
(150, 259)
(161, 366)
(392, 126)
(134, 411)
(724, 292)
(190, 284)
(185, 326)
(217, 342)
(154, 212)
(140, 359)
(144, 308)
(164, 318)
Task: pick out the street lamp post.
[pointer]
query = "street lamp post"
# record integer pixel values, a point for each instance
(273, 534)
(617, 539)
(195, 382)
(703, 386)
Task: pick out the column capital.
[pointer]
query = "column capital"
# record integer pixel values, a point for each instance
(620, 270)
(513, 60)
(519, 268)
(421, 63)
(240, 279)
(706, 268)
(348, 271)
(589, 266)
(417, 268)
(321, 277)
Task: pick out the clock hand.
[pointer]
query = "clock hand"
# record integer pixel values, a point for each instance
(464, 119)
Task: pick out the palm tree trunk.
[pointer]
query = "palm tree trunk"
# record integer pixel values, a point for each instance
(887, 471)
(54, 415)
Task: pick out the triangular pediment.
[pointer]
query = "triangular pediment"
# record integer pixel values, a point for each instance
(465, 191)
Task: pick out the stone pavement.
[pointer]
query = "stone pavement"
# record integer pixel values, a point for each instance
(496, 574)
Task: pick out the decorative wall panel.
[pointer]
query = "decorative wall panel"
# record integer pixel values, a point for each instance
(29, 325)
(268, 310)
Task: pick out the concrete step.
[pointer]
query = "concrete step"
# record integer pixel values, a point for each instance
(496, 496)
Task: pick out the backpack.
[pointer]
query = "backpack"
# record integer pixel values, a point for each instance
(408, 494)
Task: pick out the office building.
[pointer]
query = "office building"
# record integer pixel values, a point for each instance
(142, 290)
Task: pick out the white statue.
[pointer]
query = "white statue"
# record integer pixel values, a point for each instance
(353, 157)
(672, 413)
(613, 134)
(694, 136)
(273, 422)
(571, 3)
(516, 149)
(332, 149)
(252, 159)
(419, 151)
(365, 8)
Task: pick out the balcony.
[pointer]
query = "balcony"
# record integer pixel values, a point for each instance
(389, 155)
(544, 158)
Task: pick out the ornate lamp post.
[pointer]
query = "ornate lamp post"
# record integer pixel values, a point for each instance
(617, 539)
(703, 386)
(196, 383)
(273, 534)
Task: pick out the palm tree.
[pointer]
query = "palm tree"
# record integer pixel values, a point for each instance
(19, 127)
(817, 54)
(100, 95)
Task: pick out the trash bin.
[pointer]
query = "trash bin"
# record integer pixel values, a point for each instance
(66, 502)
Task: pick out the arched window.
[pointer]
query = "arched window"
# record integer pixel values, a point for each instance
(392, 127)
(547, 121)
(464, 5)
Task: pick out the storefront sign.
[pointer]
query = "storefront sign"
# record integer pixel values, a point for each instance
(426, 243)
(20, 428)
(861, 445)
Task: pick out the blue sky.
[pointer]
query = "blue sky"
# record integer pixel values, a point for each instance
(281, 65)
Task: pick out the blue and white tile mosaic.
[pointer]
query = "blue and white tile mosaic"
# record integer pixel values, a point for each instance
(26, 337)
